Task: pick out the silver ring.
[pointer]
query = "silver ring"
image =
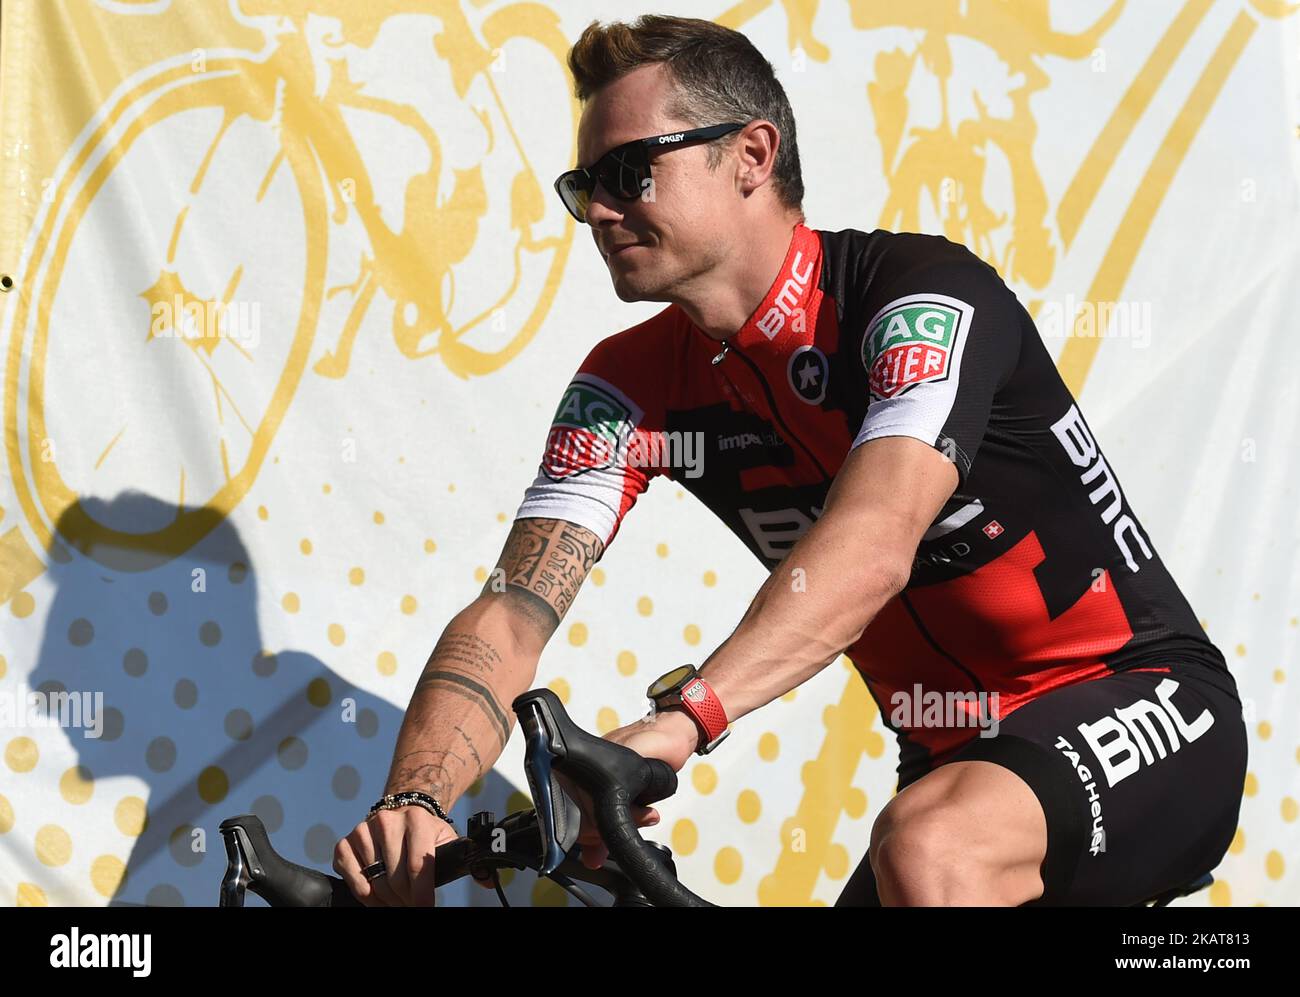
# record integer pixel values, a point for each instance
(373, 872)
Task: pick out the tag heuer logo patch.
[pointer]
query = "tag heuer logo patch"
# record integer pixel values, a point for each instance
(591, 425)
(913, 340)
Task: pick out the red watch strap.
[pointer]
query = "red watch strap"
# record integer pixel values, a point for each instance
(700, 701)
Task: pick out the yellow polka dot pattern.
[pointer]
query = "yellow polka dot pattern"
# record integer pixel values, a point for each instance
(107, 875)
(76, 785)
(685, 837)
(1274, 865)
(704, 777)
(748, 806)
(131, 816)
(53, 845)
(728, 865)
(213, 784)
(21, 754)
(318, 692)
(30, 895)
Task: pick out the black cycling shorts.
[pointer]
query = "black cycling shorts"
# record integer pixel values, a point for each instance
(1139, 774)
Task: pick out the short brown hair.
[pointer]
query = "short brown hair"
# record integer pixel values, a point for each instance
(719, 76)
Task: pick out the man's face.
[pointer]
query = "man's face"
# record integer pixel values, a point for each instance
(681, 226)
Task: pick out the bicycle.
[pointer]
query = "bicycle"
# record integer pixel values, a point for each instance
(638, 873)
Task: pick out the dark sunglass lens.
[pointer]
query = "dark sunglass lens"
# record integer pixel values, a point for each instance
(575, 192)
(624, 171)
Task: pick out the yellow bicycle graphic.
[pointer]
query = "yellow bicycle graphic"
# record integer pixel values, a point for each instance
(271, 177)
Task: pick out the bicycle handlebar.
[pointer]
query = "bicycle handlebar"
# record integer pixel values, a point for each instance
(638, 872)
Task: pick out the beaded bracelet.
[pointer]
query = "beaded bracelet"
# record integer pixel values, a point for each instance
(394, 800)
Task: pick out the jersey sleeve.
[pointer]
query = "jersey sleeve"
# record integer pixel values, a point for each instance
(942, 342)
(598, 455)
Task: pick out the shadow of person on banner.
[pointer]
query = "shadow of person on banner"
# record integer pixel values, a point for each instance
(187, 718)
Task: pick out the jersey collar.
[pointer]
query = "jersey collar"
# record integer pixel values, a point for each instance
(786, 316)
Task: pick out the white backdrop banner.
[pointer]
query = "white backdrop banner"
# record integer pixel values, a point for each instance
(288, 304)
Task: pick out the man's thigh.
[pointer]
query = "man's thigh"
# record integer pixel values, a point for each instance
(1138, 774)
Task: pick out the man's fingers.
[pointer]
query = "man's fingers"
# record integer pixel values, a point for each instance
(351, 855)
(422, 889)
(347, 866)
(645, 816)
(394, 887)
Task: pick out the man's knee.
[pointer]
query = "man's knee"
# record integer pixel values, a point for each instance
(942, 842)
(918, 861)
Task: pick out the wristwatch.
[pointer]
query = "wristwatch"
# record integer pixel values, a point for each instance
(682, 686)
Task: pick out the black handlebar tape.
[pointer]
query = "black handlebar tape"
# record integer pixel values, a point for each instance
(636, 857)
(661, 782)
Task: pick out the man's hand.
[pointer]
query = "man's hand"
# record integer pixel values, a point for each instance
(671, 737)
(405, 840)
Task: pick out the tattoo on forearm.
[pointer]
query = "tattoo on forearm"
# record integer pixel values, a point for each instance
(477, 693)
(545, 562)
(478, 762)
(467, 649)
(427, 769)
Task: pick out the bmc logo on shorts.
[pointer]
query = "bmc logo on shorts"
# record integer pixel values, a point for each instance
(1144, 732)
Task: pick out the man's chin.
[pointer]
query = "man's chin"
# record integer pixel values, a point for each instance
(629, 289)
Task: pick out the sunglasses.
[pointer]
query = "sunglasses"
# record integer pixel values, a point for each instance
(624, 171)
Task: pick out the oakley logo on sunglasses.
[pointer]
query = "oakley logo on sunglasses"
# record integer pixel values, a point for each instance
(665, 139)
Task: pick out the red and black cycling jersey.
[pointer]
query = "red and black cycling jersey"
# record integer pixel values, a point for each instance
(1035, 574)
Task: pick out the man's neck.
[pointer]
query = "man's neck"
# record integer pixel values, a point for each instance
(724, 298)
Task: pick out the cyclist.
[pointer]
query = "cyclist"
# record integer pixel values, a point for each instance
(875, 415)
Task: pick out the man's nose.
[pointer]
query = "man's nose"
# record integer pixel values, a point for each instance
(603, 207)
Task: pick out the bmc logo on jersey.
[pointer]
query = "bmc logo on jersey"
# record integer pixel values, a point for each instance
(789, 301)
(593, 421)
(912, 340)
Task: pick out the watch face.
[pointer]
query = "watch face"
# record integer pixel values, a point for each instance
(670, 680)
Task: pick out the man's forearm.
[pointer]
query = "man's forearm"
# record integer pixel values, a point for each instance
(815, 603)
(459, 718)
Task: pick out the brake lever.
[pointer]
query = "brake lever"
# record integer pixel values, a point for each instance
(559, 818)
